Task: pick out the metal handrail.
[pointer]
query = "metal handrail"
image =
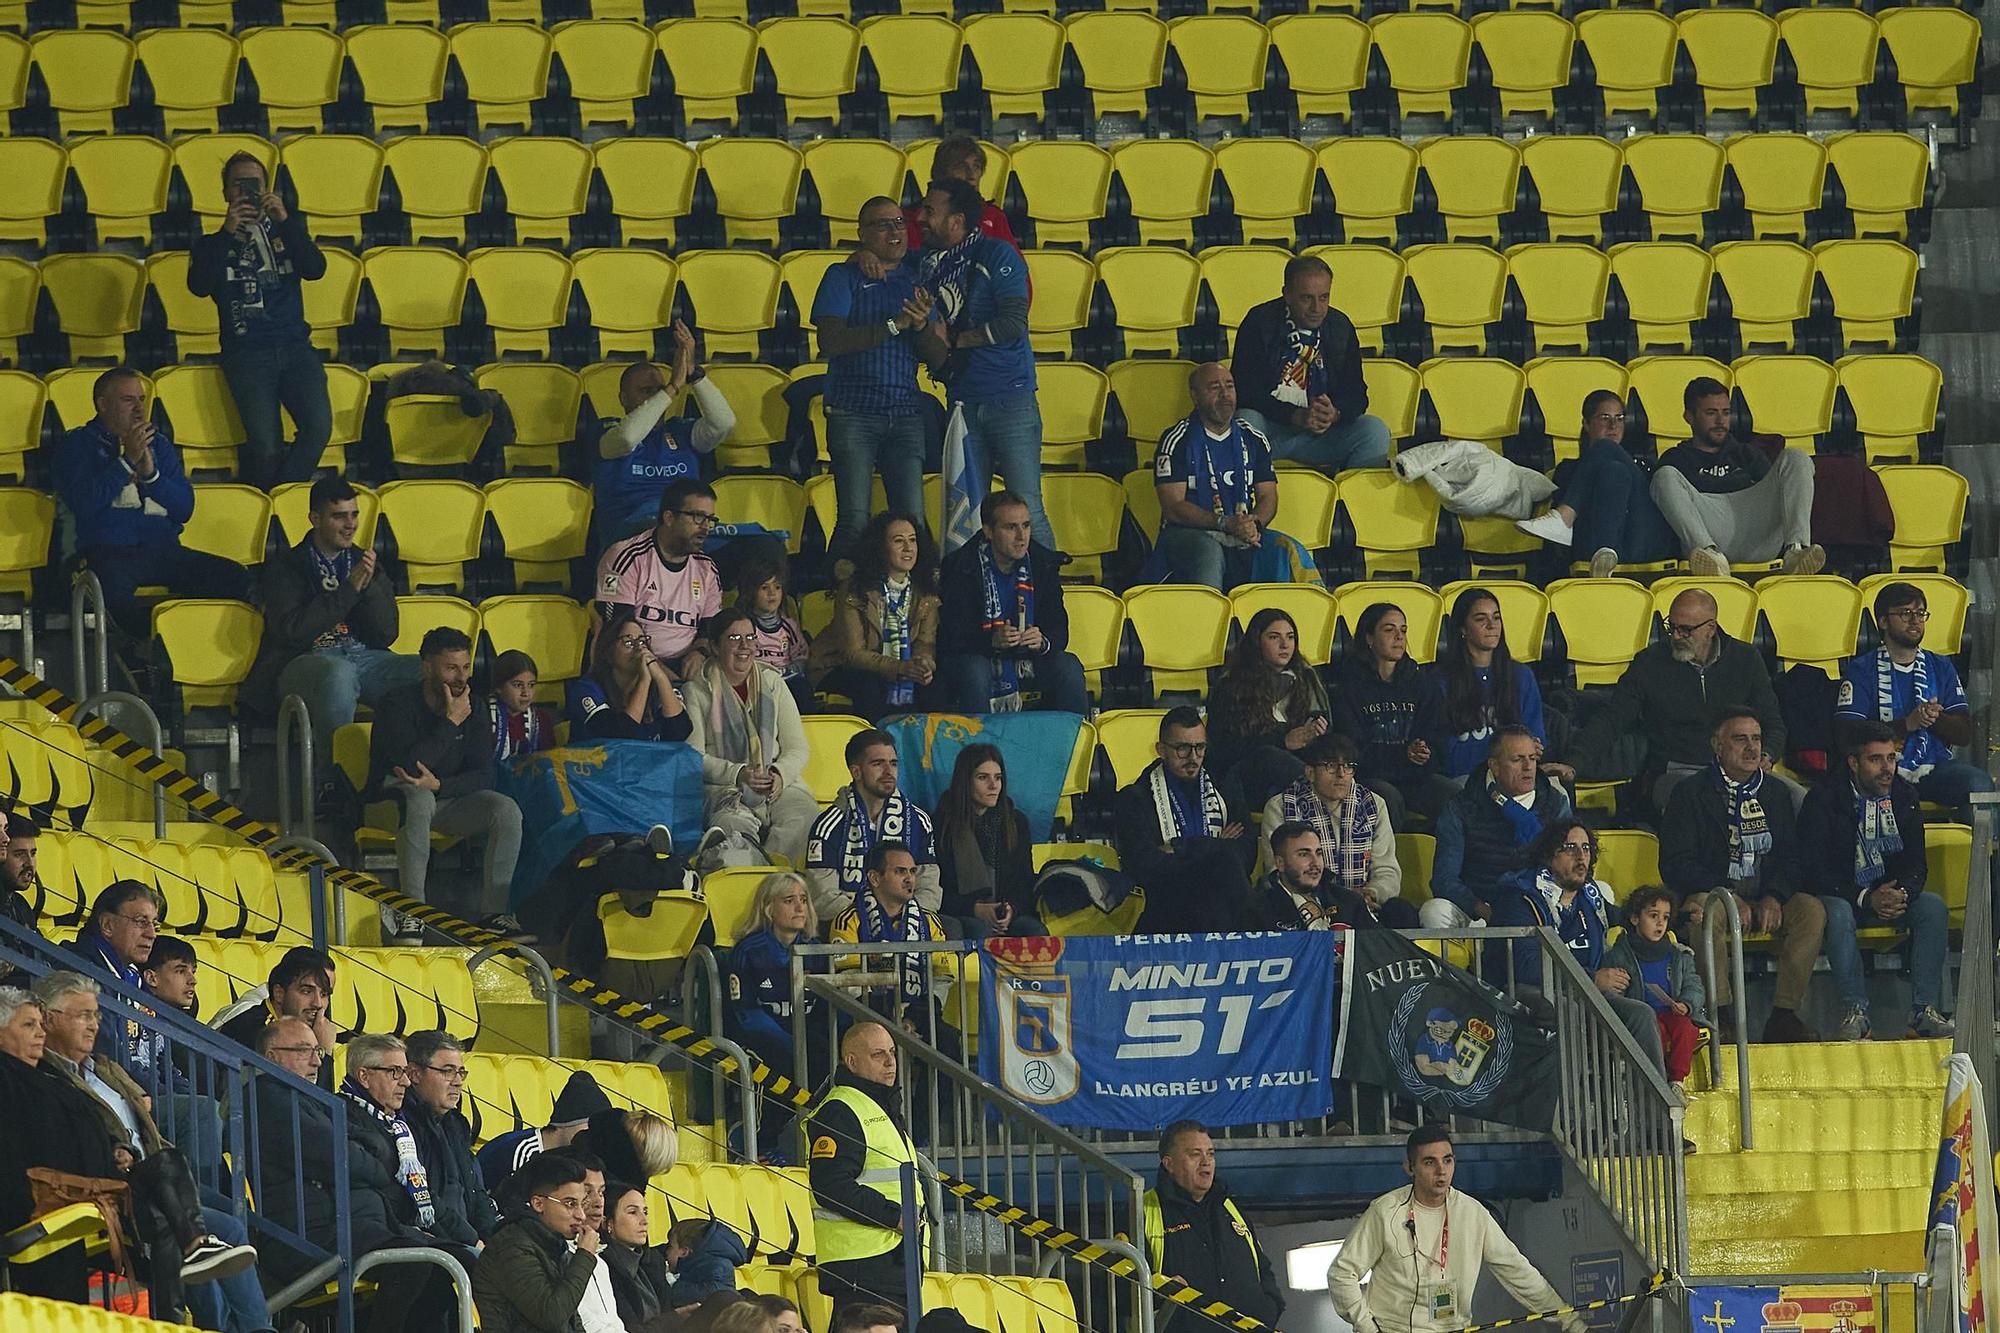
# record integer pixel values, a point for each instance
(541, 967)
(292, 716)
(461, 1280)
(336, 905)
(704, 969)
(1142, 1272)
(86, 589)
(156, 733)
(1725, 902)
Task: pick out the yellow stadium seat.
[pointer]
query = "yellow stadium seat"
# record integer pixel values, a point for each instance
(403, 991)
(1814, 618)
(1769, 285)
(1632, 54)
(1464, 293)
(814, 61)
(1873, 286)
(37, 167)
(1153, 295)
(1929, 503)
(1563, 289)
(1791, 396)
(230, 521)
(436, 525)
(419, 614)
(1306, 503)
(827, 735)
(921, 156)
(1059, 316)
(1242, 276)
(1096, 625)
(776, 503)
(1394, 390)
(1657, 384)
(756, 187)
(1529, 55)
(194, 74)
(1065, 186)
(713, 62)
(916, 59)
(1168, 183)
(233, 966)
(1123, 57)
(1524, 608)
(191, 319)
(402, 73)
(1369, 287)
(1884, 180)
(506, 69)
(1476, 398)
(1420, 604)
(1576, 178)
(1270, 184)
(1783, 182)
(609, 64)
(1947, 598)
(1142, 500)
(1326, 63)
(1019, 57)
(1071, 396)
(651, 186)
(1666, 287)
(347, 390)
(525, 292)
(1627, 859)
(1834, 52)
(22, 403)
(544, 525)
(1936, 54)
(210, 643)
(552, 630)
(630, 293)
(668, 931)
(1679, 176)
(1374, 186)
(1223, 56)
(731, 891)
(98, 301)
(298, 75)
(442, 182)
(88, 77)
(1087, 510)
(1394, 523)
(816, 608)
(1734, 53)
(27, 522)
(1151, 395)
(757, 394)
(124, 179)
(544, 400)
(70, 392)
(1557, 386)
(847, 173)
(339, 182)
(1128, 737)
(205, 423)
(1427, 56)
(1735, 602)
(804, 271)
(547, 184)
(1604, 622)
(1948, 861)
(1895, 402)
(1312, 611)
(733, 298)
(288, 507)
(1183, 630)
(1475, 180)
(420, 292)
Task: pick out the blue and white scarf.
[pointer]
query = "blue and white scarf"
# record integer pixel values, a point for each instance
(1876, 839)
(897, 636)
(1225, 472)
(859, 835)
(1915, 748)
(1176, 819)
(409, 1167)
(876, 927)
(948, 275)
(1346, 829)
(1749, 826)
(1008, 670)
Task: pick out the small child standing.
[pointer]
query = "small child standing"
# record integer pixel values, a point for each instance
(781, 643)
(520, 725)
(1662, 973)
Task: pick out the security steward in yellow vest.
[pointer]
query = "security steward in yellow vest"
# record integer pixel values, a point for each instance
(1195, 1232)
(858, 1146)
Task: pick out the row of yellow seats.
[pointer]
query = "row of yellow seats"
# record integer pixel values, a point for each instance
(816, 61)
(374, 990)
(209, 888)
(51, 767)
(35, 1314)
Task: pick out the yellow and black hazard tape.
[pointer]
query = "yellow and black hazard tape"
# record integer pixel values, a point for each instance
(180, 786)
(1653, 1285)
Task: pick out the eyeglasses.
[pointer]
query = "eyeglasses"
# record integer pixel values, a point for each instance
(1576, 848)
(401, 1073)
(449, 1073)
(1688, 631)
(633, 641)
(141, 922)
(1336, 766)
(313, 1052)
(884, 224)
(1916, 613)
(574, 1205)
(696, 516)
(1187, 749)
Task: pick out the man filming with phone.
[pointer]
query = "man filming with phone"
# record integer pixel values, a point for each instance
(254, 268)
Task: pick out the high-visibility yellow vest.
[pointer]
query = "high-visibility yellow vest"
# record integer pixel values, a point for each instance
(1155, 1226)
(839, 1237)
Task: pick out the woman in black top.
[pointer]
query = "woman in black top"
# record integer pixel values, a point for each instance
(1267, 707)
(984, 850)
(1386, 703)
(639, 1282)
(629, 694)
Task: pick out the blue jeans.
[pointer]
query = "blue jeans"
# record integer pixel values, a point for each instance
(1929, 925)
(862, 444)
(334, 681)
(968, 683)
(234, 1304)
(1950, 783)
(1195, 555)
(192, 1122)
(1004, 435)
(1613, 499)
(264, 377)
(1361, 442)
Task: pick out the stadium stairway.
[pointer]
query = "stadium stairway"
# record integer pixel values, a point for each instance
(1850, 1197)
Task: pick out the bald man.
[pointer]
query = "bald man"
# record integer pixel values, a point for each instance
(1672, 694)
(1217, 489)
(859, 1147)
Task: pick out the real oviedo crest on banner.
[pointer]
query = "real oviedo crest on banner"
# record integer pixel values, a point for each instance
(1135, 1031)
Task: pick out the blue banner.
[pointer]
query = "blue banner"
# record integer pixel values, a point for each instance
(570, 793)
(1137, 1031)
(1037, 747)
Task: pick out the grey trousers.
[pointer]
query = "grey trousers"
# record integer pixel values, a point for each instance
(483, 815)
(779, 827)
(1747, 525)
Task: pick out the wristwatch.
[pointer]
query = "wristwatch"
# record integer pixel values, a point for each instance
(894, 328)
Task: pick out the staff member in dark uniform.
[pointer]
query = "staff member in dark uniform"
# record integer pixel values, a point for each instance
(859, 1148)
(1195, 1232)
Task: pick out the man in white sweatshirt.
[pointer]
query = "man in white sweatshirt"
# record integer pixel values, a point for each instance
(1424, 1246)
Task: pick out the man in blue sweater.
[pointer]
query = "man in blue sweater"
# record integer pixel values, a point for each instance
(254, 268)
(120, 477)
(1484, 832)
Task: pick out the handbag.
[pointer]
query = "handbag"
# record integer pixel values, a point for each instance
(52, 1189)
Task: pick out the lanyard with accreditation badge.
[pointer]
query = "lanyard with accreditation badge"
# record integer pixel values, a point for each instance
(1443, 1300)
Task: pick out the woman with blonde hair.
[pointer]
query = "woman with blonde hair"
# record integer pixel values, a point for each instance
(758, 1011)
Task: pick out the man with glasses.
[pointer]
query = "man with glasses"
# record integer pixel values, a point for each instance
(661, 578)
(876, 416)
(1483, 830)
(124, 923)
(1668, 699)
(1179, 840)
(465, 1212)
(1731, 827)
(643, 451)
(533, 1276)
(1916, 693)
(431, 749)
(1356, 847)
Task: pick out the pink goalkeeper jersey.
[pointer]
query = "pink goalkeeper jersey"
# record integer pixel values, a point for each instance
(670, 603)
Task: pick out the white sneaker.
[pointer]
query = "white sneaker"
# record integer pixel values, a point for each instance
(1706, 562)
(1803, 559)
(1549, 527)
(1604, 564)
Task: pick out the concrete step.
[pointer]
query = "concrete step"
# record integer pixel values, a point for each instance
(1827, 1213)
(1830, 1121)
(1839, 1066)
(1797, 1166)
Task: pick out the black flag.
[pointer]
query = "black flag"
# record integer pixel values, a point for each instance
(1438, 1035)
